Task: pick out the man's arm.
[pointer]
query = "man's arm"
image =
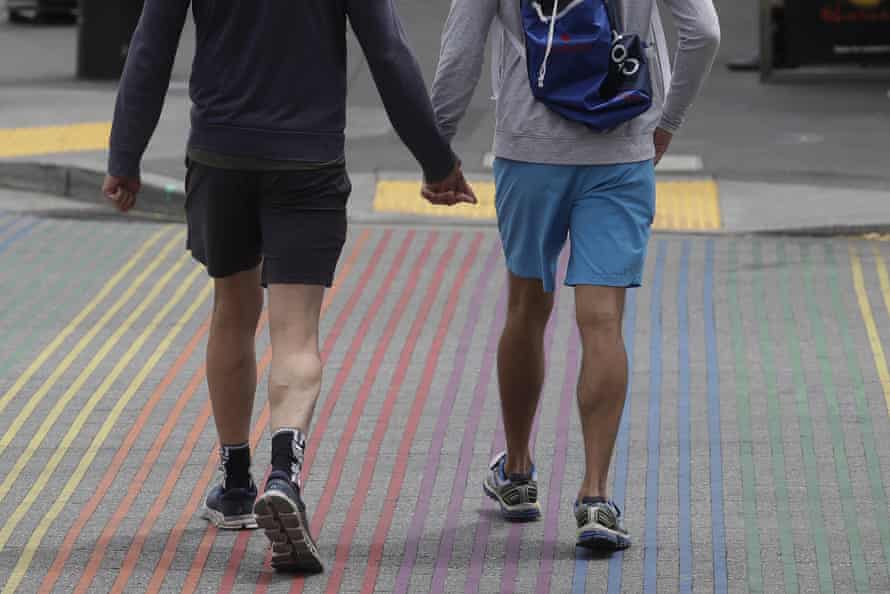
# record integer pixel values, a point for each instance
(461, 60)
(699, 38)
(400, 82)
(144, 84)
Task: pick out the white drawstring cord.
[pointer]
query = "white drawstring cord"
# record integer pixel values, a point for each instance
(543, 73)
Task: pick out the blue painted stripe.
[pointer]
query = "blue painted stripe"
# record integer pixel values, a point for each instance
(25, 230)
(718, 528)
(6, 224)
(619, 486)
(650, 549)
(684, 480)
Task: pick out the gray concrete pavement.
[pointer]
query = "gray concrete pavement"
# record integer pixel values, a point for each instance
(754, 454)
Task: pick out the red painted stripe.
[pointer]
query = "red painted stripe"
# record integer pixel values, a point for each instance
(318, 433)
(240, 545)
(101, 489)
(336, 470)
(135, 550)
(344, 542)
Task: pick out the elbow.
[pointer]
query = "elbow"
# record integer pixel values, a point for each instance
(710, 36)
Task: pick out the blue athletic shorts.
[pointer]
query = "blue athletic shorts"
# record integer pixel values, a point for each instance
(605, 210)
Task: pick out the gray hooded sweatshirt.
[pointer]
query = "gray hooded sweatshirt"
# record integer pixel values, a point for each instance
(526, 129)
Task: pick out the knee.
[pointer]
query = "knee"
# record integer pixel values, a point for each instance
(237, 310)
(299, 372)
(529, 306)
(599, 325)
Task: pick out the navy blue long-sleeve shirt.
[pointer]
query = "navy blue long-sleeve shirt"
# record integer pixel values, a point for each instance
(269, 80)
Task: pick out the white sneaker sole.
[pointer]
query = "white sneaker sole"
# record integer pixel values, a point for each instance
(293, 549)
(597, 537)
(245, 522)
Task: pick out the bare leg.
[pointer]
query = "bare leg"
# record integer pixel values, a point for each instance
(295, 380)
(521, 366)
(602, 385)
(231, 354)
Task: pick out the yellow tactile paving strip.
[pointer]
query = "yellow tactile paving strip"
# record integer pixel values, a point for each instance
(403, 197)
(683, 205)
(688, 205)
(46, 140)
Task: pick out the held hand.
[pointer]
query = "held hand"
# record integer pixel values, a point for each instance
(662, 142)
(121, 191)
(452, 190)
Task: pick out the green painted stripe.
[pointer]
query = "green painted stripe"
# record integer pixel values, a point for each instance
(746, 441)
(52, 286)
(863, 413)
(848, 502)
(805, 427)
(777, 448)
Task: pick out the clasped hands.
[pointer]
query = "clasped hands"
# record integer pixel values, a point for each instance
(452, 190)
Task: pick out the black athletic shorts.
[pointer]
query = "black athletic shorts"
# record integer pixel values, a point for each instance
(294, 221)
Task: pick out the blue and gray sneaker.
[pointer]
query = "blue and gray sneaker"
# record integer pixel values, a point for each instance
(600, 525)
(230, 509)
(517, 494)
(280, 511)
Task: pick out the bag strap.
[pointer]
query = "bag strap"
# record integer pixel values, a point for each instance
(614, 15)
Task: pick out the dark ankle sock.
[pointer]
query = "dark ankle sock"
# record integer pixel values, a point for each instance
(288, 447)
(236, 463)
(593, 500)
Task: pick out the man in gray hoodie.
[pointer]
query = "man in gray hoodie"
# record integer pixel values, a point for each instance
(555, 179)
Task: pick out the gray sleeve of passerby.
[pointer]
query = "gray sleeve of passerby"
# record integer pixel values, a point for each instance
(698, 29)
(400, 82)
(461, 60)
(144, 83)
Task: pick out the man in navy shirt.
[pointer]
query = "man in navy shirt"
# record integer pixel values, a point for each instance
(266, 205)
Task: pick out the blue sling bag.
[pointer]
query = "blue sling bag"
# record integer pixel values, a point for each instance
(582, 65)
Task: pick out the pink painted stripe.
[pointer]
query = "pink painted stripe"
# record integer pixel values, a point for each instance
(459, 484)
(554, 493)
(514, 537)
(409, 428)
(338, 464)
(483, 527)
(421, 511)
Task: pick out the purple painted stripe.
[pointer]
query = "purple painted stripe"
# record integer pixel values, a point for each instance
(418, 521)
(514, 536)
(554, 493)
(446, 545)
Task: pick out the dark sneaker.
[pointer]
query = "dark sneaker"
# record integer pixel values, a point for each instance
(230, 508)
(281, 513)
(517, 494)
(600, 525)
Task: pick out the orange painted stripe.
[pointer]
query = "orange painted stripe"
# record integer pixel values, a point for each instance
(345, 369)
(135, 550)
(332, 484)
(199, 491)
(124, 507)
(58, 566)
(417, 397)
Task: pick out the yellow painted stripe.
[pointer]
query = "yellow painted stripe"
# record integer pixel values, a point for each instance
(884, 279)
(683, 205)
(72, 326)
(874, 338)
(44, 140)
(33, 544)
(78, 383)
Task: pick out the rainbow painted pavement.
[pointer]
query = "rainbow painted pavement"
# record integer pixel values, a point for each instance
(754, 454)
